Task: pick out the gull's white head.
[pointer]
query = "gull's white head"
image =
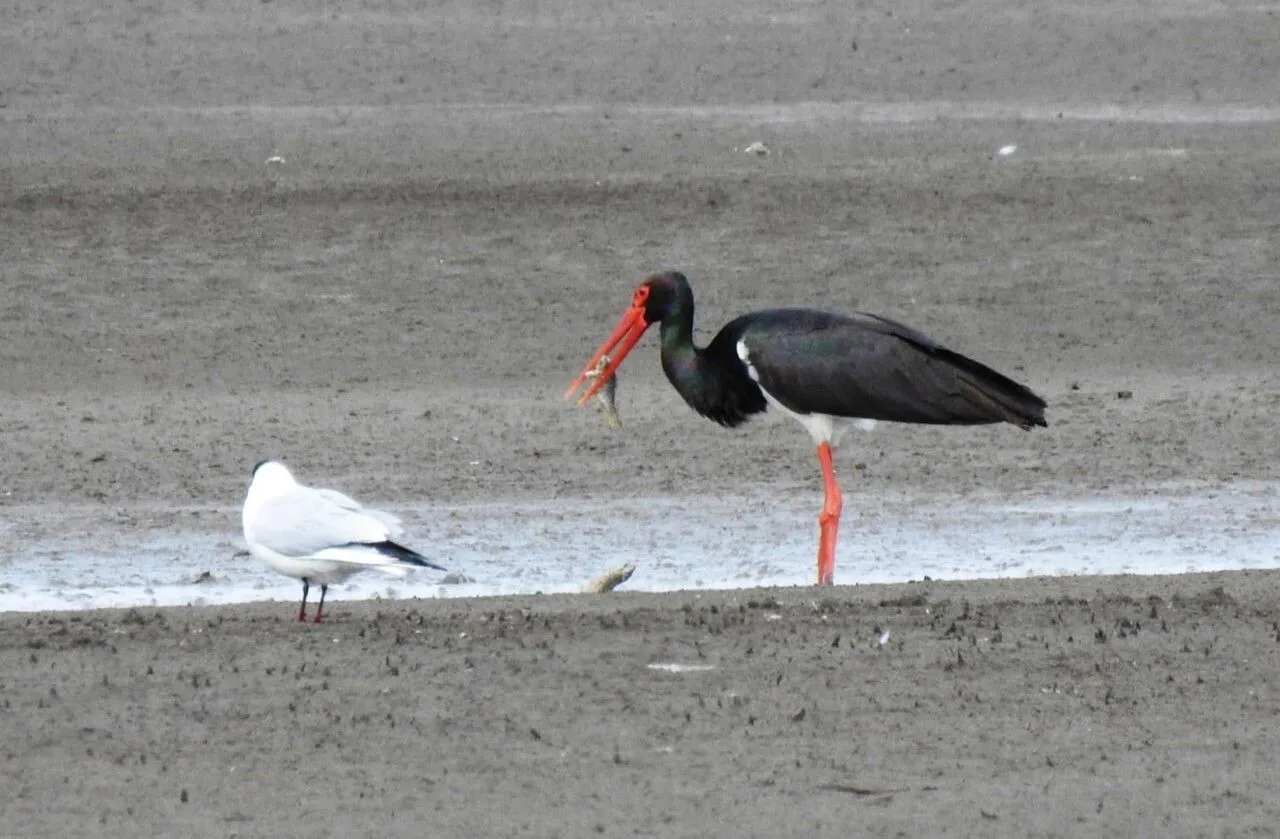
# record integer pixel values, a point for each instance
(271, 480)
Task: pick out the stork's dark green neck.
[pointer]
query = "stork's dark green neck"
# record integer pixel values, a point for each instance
(676, 334)
(712, 379)
(676, 329)
(686, 365)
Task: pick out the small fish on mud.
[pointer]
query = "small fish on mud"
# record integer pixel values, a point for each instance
(608, 395)
(610, 579)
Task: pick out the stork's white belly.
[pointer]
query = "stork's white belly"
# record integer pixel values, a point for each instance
(823, 428)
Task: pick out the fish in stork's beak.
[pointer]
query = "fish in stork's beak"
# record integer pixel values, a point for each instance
(608, 395)
(626, 334)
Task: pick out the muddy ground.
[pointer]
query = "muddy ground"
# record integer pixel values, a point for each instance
(378, 240)
(1048, 707)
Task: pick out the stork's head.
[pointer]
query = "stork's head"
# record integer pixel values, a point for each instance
(650, 302)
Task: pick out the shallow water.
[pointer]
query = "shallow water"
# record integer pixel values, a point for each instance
(676, 543)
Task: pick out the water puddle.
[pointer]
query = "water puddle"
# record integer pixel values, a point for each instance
(676, 543)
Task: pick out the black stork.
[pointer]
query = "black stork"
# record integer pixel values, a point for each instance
(826, 370)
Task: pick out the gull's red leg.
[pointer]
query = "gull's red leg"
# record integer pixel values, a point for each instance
(829, 519)
(302, 610)
(320, 608)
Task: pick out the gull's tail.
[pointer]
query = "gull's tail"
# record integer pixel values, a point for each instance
(388, 557)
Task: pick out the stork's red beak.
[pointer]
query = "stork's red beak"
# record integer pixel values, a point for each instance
(625, 335)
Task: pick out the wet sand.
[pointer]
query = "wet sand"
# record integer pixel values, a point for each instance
(378, 242)
(1049, 707)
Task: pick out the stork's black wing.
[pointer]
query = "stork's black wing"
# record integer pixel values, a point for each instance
(873, 368)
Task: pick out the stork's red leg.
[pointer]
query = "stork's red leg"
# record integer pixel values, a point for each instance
(829, 520)
(302, 610)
